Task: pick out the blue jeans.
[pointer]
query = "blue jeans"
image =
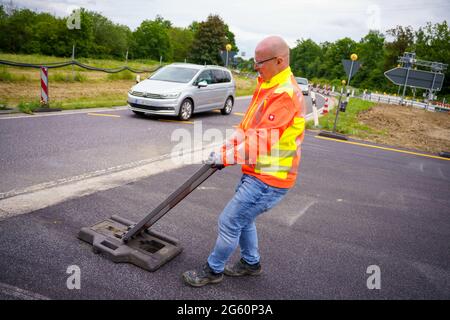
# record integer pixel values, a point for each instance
(237, 221)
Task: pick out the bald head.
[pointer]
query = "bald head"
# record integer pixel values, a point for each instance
(271, 57)
(273, 46)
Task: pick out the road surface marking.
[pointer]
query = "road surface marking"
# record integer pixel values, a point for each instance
(294, 217)
(17, 202)
(383, 148)
(104, 115)
(20, 294)
(63, 113)
(239, 114)
(182, 122)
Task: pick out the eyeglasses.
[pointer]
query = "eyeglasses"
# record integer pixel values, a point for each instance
(260, 63)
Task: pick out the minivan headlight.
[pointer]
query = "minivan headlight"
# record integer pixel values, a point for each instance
(171, 95)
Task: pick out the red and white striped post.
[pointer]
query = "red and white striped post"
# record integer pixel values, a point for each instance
(325, 107)
(44, 86)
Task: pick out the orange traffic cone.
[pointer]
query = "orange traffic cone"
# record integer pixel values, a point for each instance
(325, 106)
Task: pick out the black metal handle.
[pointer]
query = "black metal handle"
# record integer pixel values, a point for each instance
(186, 188)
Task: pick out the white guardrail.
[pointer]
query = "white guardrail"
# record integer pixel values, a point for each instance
(375, 97)
(396, 100)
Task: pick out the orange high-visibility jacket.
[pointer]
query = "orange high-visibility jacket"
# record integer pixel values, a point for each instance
(271, 132)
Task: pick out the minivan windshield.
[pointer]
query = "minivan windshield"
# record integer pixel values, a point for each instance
(301, 81)
(174, 74)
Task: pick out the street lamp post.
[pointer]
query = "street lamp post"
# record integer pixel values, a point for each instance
(228, 47)
(353, 57)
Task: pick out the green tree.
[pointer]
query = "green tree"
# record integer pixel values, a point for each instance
(151, 40)
(403, 41)
(181, 39)
(209, 39)
(433, 44)
(19, 32)
(306, 58)
(333, 56)
(110, 39)
(370, 51)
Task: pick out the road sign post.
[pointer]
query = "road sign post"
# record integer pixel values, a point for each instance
(338, 107)
(404, 86)
(353, 66)
(350, 67)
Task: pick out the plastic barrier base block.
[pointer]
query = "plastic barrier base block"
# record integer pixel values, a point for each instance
(332, 135)
(444, 154)
(47, 109)
(148, 249)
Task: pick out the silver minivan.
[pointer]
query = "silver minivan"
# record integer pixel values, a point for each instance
(303, 84)
(181, 89)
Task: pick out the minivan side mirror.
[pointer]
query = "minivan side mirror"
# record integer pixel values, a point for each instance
(202, 84)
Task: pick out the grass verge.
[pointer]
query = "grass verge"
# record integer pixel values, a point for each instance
(348, 123)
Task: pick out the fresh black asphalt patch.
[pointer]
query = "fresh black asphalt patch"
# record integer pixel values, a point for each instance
(352, 208)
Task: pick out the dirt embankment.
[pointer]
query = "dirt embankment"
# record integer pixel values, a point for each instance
(409, 127)
(14, 92)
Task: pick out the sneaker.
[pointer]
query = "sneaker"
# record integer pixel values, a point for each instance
(202, 277)
(242, 268)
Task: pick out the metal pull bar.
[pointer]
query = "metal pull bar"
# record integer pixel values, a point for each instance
(190, 185)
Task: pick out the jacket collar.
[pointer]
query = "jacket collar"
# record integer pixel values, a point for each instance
(277, 79)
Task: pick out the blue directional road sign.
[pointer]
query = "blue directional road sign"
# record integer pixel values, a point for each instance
(348, 65)
(416, 78)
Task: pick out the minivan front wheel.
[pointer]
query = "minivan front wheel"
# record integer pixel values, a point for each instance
(228, 107)
(186, 109)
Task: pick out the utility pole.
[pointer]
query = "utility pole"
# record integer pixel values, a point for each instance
(73, 59)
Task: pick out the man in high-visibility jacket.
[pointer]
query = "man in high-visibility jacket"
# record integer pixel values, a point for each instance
(267, 145)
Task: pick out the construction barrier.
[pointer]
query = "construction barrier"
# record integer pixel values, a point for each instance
(325, 106)
(44, 86)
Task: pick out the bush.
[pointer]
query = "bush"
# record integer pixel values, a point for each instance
(67, 77)
(123, 75)
(28, 107)
(5, 75)
(3, 104)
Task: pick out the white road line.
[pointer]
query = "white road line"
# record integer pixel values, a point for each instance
(293, 218)
(20, 294)
(64, 113)
(17, 202)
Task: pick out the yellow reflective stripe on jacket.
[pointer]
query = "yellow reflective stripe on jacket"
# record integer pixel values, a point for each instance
(265, 161)
(288, 139)
(279, 162)
(285, 87)
(276, 171)
(250, 112)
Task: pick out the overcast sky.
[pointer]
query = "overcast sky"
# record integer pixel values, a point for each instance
(252, 20)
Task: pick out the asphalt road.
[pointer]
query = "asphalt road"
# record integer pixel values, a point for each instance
(36, 150)
(353, 207)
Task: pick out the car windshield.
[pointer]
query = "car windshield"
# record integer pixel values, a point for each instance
(175, 74)
(301, 81)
